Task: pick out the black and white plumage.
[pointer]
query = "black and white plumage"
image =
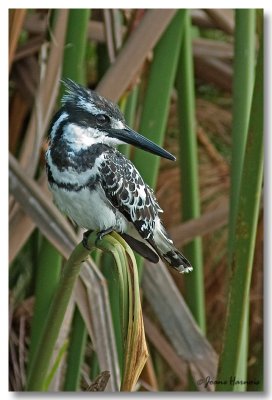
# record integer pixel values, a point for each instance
(95, 185)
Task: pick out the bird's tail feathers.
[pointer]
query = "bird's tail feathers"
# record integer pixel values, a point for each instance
(167, 251)
(145, 250)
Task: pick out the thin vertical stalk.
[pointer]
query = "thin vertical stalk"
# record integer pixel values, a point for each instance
(48, 274)
(129, 113)
(243, 355)
(244, 57)
(157, 98)
(189, 172)
(76, 350)
(75, 49)
(246, 226)
(243, 81)
(94, 367)
(55, 366)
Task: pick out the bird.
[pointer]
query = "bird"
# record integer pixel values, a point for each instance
(95, 185)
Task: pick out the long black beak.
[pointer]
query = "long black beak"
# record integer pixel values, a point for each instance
(129, 136)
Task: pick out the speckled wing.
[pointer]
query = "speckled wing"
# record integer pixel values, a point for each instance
(126, 190)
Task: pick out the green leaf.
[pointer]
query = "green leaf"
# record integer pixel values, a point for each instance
(245, 234)
(189, 172)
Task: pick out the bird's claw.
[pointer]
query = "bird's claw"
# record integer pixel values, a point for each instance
(101, 234)
(85, 239)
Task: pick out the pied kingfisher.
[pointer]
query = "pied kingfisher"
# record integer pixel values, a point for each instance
(95, 185)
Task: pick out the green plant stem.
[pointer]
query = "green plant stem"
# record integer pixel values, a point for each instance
(243, 82)
(189, 172)
(57, 362)
(130, 109)
(42, 356)
(75, 49)
(94, 367)
(157, 96)
(75, 355)
(48, 274)
(246, 225)
(244, 65)
(157, 99)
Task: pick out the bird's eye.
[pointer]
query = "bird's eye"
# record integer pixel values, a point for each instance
(102, 119)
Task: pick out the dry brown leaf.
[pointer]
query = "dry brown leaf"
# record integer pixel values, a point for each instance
(133, 54)
(16, 21)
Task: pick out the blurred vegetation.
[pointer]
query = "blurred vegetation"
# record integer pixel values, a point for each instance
(180, 79)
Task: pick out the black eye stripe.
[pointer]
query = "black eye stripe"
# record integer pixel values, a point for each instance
(85, 118)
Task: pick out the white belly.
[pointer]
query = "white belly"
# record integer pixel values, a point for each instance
(89, 209)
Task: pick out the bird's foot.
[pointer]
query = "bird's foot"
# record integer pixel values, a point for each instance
(85, 239)
(101, 234)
